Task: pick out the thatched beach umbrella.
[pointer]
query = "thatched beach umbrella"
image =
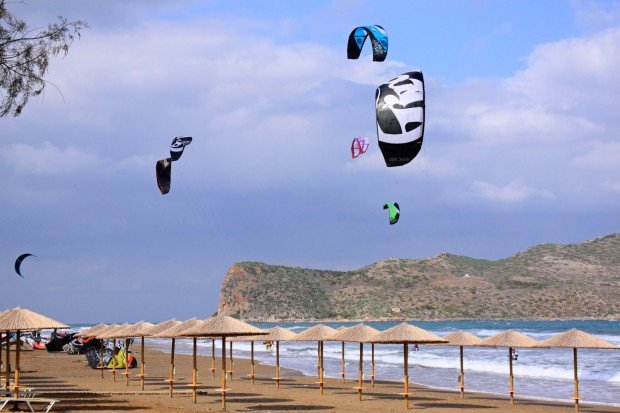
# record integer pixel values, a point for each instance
(318, 333)
(138, 329)
(111, 334)
(141, 329)
(174, 333)
(406, 334)
(461, 339)
(223, 326)
(277, 334)
(246, 339)
(120, 333)
(21, 319)
(576, 339)
(155, 332)
(360, 333)
(91, 331)
(342, 363)
(511, 339)
(99, 331)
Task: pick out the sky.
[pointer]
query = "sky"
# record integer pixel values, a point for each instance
(521, 145)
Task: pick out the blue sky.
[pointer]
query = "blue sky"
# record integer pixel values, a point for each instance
(521, 146)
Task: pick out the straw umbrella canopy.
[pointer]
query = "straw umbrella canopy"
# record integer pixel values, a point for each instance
(94, 332)
(112, 334)
(138, 329)
(173, 333)
(318, 333)
(223, 326)
(119, 333)
(360, 333)
(277, 334)
(462, 339)
(576, 339)
(511, 339)
(91, 331)
(18, 320)
(406, 334)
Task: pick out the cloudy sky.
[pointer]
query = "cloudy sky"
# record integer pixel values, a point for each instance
(522, 144)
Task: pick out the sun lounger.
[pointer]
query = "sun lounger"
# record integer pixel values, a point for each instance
(28, 401)
(23, 393)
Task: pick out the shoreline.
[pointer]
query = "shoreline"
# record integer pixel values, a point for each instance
(82, 389)
(411, 320)
(291, 372)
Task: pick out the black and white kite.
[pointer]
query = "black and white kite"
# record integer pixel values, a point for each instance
(163, 167)
(400, 109)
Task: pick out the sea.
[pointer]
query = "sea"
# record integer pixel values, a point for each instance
(539, 373)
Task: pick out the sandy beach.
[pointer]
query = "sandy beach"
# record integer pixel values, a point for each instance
(81, 389)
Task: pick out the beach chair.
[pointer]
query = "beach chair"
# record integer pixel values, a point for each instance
(23, 393)
(28, 401)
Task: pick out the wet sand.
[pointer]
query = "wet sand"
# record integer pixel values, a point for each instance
(81, 389)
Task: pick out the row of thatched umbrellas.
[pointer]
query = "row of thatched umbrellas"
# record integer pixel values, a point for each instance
(230, 329)
(405, 334)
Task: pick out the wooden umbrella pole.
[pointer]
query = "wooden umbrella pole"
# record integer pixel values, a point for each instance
(16, 380)
(8, 359)
(230, 351)
(213, 357)
(252, 361)
(142, 362)
(342, 363)
(194, 372)
(575, 380)
(462, 374)
(277, 364)
(101, 359)
(224, 372)
(114, 360)
(322, 383)
(318, 359)
(406, 379)
(171, 377)
(360, 373)
(372, 366)
(511, 385)
(127, 361)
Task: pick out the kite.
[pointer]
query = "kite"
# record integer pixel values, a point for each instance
(178, 145)
(18, 263)
(393, 210)
(359, 146)
(400, 109)
(163, 170)
(378, 38)
(163, 167)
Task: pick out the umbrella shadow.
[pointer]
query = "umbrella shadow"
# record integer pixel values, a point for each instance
(440, 405)
(279, 407)
(259, 400)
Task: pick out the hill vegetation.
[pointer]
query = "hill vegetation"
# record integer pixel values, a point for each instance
(548, 281)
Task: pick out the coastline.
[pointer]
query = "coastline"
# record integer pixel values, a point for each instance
(80, 389)
(413, 320)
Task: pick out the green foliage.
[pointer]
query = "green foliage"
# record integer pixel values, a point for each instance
(25, 55)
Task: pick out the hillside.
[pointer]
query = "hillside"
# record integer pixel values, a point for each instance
(545, 281)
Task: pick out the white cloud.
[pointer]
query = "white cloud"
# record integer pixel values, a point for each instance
(600, 156)
(48, 160)
(613, 186)
(513, 192)
(596, 15)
